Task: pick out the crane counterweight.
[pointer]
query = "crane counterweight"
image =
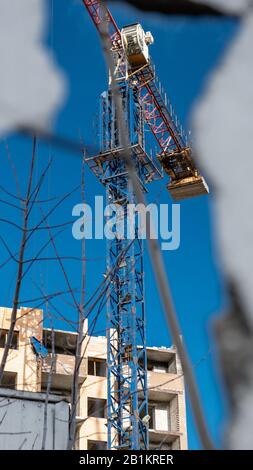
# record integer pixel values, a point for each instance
(185, 180)
(136, 45)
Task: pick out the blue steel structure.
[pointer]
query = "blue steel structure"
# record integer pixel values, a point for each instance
(144, 103)
(126, 328)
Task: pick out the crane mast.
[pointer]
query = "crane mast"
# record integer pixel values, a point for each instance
(144, 104)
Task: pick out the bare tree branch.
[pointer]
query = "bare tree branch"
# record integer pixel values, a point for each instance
(20, 265)
(49, 383)
(75, 393)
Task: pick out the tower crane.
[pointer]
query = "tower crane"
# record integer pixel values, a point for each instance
(145, 105)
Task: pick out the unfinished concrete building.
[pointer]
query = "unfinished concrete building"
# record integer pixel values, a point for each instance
(25, 371)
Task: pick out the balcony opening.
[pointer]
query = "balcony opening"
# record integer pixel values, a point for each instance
(151, 416)
(160, 415)
(9, 380)
(97, 408)
(162, 418)
(163, 367)
(64, 342)
(3, 339)
(172, 366)
(96, 445)
(97, 367)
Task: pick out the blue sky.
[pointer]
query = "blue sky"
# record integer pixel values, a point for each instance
(185, 51)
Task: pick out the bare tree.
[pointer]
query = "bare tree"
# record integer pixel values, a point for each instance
(22, 248)
(49, 384)
(75, 393)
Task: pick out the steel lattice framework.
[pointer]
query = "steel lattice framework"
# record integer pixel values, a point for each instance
(144, 104)
(126, 329)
